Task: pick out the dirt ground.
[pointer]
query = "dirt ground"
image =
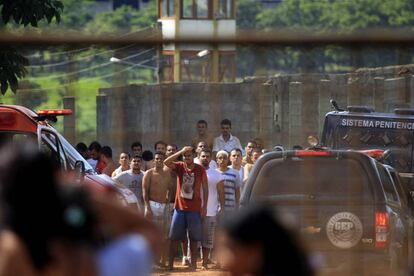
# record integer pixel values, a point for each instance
(184, 270)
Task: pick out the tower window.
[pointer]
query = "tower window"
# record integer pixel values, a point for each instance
(166, 8)
(196, 9)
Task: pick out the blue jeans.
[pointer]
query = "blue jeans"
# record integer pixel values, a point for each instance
(183, 221)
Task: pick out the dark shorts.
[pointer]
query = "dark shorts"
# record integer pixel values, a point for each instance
(183, 221)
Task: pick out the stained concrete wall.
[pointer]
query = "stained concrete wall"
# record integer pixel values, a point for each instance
(169, 112)
(282, 109)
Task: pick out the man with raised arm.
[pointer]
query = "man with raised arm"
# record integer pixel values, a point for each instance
(188, 209)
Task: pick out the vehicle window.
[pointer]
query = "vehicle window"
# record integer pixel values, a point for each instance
(16, 137)
(399, 187)
(73, 155)
(324, 178)
(389, 189)
(51, 146)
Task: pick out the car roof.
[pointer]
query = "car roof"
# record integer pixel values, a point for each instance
(17, 118)
(28, 112)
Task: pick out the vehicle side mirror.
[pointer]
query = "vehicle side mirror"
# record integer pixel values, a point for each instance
(79, 170)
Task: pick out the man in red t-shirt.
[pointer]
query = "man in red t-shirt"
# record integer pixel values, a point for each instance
(188, 208)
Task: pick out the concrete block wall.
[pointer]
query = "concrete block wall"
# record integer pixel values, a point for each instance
(169, 112)
(282, 109)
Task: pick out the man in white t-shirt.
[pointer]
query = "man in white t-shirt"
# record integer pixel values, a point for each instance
(132, 179)
(226, 141)
(214, 178)
(201, 146)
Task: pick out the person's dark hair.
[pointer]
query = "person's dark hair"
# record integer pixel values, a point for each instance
(95, 146)
(173, 145)
(136, 156)
(136, 144)
(40, 214)
(206, 150)
(226, 122)
(159, 142)
(81, 147)
(236, 149)
(281, 255)
(147, 155)
(127, 153)
(106, 151)
(202, 122)
(252, 142)
(297, 147)
(159, 153)
(193, 151)
(256, 150)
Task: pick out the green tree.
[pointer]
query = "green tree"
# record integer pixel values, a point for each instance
(124, 19)
(22, 12)
(77, 14)
(247, 11)
(340, 16)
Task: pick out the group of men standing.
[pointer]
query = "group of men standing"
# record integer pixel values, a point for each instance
(185, 192)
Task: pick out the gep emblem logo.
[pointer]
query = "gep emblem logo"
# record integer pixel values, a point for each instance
(344, 230)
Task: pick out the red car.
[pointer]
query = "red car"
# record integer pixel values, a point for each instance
(18, 123)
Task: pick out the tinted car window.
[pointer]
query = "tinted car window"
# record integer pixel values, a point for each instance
(74, 156)
(400, 189)
(16, 137)
(389, 189)
(323, 178)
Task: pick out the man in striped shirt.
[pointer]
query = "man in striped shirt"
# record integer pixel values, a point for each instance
(229, 189)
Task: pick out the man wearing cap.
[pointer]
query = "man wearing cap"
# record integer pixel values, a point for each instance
(229, 189)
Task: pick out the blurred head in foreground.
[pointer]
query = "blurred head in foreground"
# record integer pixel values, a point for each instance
(254, 243)
(35, 207)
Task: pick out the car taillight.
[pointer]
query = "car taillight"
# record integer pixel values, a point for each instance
(381, 229)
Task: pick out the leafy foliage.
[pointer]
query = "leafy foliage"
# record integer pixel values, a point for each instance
(11, 69)
(30, 12)
(319, 16)
(24, 13)
(123, 19)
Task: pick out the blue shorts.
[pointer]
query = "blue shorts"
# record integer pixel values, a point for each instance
(183, 221)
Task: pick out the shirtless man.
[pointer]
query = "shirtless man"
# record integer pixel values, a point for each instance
(106, 156)
(123, 162)
(251, 145)
(156, 187)
(202, 135)
(248, 167)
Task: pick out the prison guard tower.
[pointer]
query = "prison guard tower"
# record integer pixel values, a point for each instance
(197, 19)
